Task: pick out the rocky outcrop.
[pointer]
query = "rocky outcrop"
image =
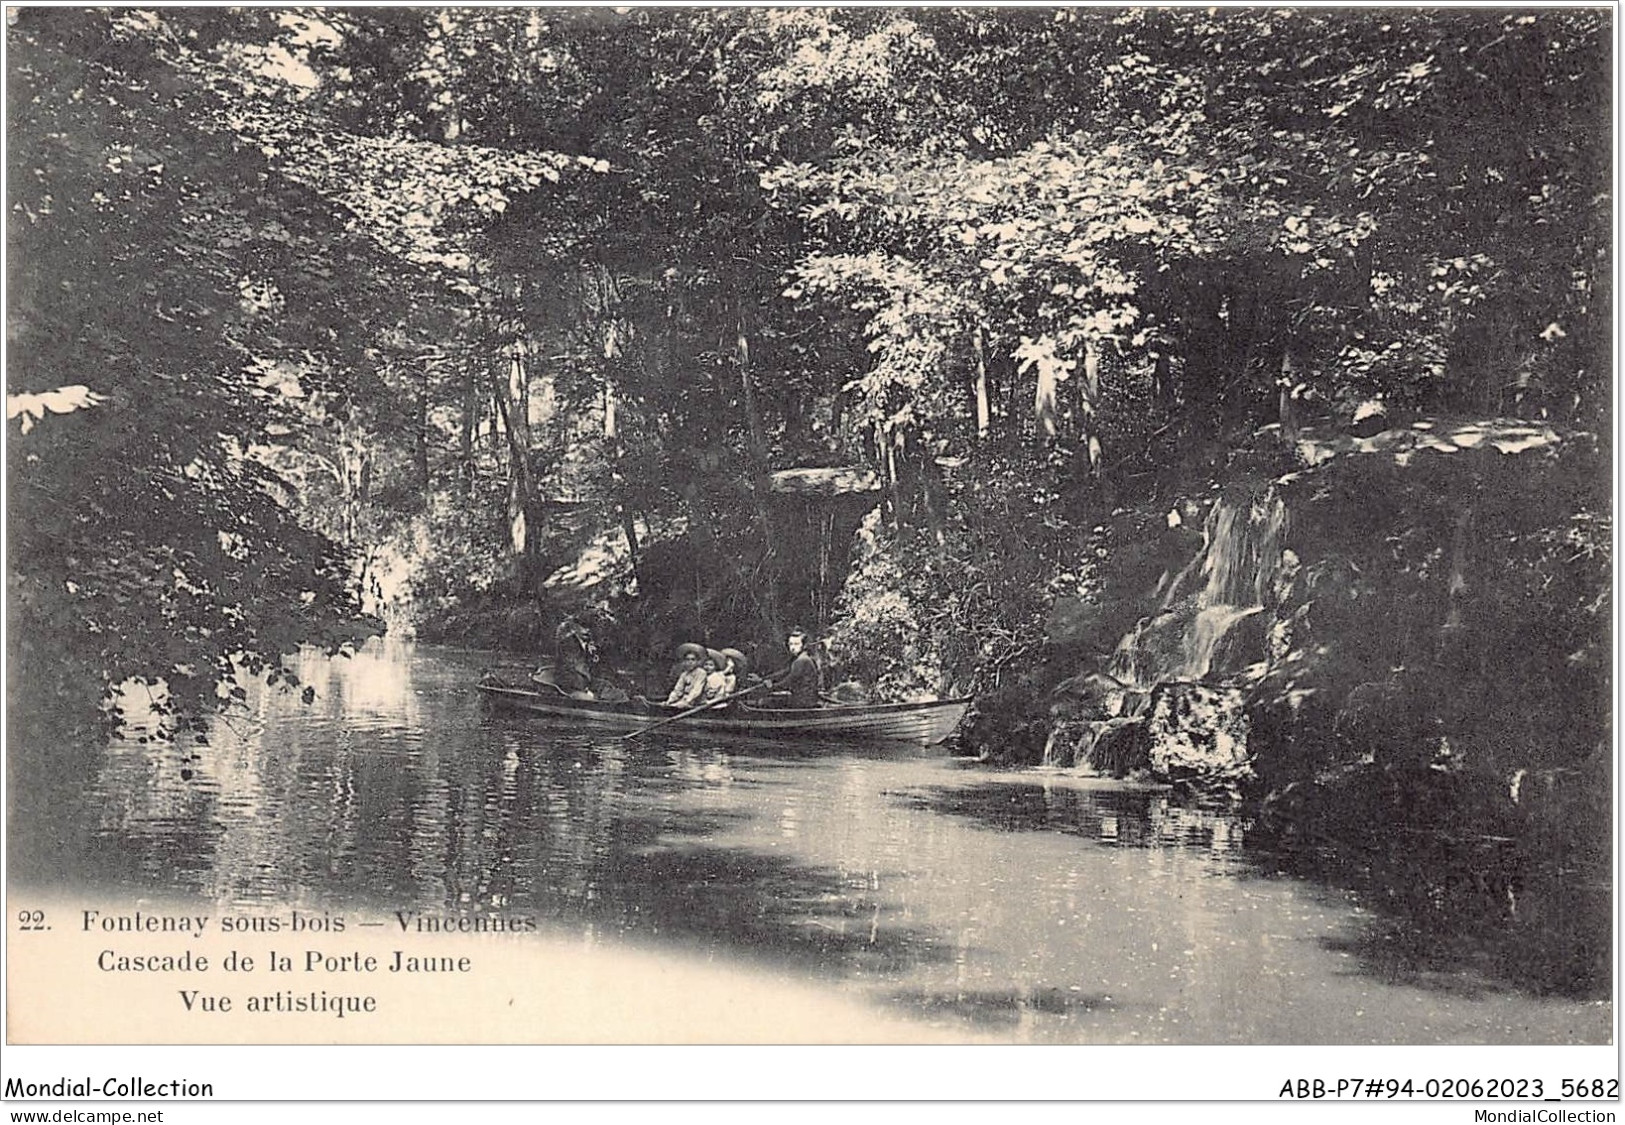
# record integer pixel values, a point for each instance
(1198, 732)
(1168, 704)
(1372, 626)
(1178, 732)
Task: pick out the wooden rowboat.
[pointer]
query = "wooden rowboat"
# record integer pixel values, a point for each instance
(923, 723)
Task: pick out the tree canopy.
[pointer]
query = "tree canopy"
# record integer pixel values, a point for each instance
(366, 298)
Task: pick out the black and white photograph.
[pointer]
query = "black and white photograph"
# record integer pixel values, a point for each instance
(892, 527)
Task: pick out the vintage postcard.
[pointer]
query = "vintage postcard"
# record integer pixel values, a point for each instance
(931, 530)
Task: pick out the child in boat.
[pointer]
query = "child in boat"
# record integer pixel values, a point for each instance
(690, 685)
(727, 667)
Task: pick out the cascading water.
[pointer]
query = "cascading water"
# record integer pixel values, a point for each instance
(1168, 701)
(1184, 641)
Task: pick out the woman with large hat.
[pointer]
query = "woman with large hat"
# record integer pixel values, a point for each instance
(690, 686)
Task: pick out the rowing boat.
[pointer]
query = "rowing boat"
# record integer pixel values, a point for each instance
(924, 723)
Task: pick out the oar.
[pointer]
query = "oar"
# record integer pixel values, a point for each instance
(697, 710)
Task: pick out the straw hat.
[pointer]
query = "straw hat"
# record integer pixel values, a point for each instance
(718, 660)
(698, 650)
(741, 665)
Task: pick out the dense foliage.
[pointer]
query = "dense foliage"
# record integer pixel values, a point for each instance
(470, 316)
(1440, 739)
(175, 276)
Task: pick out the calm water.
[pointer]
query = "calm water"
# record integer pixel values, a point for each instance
(1020, 906)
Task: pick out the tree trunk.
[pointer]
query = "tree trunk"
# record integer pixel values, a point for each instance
(1287, 413)
(420, 437)
(471, 422)
(984, 419)
(761, 470)
(1089, 388)
(617, 451)
(525, 516)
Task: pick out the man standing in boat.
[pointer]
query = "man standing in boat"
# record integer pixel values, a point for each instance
(802, 683)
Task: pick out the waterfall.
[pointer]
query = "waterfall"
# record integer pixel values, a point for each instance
(1169, 703)
(1186, 639)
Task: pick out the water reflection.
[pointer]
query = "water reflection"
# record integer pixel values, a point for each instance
(1026, 904)
(1119, 817)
